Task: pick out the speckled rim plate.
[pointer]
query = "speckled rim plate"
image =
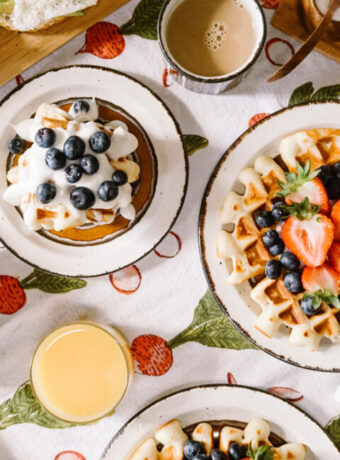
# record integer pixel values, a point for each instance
(172, 165)
(223, 402)
(235, 301)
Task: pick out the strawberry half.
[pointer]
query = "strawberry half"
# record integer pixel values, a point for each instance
(304, 184)
(307, 233)
(324, 277)
(334, 256)
(335, 216)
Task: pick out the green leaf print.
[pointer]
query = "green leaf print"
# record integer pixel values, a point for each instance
(333, 429)
(24, 408)
(305, 93)
(301, 94)
(193, 142)
(144, 20)
(210, 327)
(52, 284)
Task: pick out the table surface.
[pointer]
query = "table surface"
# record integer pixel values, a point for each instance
(171, 281)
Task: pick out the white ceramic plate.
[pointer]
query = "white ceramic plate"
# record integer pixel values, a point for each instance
(141, 104)
(235, 301)
(223, 402)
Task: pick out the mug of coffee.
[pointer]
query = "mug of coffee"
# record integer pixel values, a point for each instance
(210, 45)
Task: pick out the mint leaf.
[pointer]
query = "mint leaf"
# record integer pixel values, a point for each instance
(261, 453)
(301, 94)
(322, 295)
(210, 327)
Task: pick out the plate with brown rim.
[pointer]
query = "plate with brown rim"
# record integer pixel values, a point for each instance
(235, 301)
(232, 405)
(94, 250)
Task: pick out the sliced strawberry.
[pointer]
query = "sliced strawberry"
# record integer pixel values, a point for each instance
(315, 191)
(324, 277)
(334, 256)
(309, 239)
(335, 216)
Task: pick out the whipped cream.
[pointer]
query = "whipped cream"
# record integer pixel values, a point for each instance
(32, 170)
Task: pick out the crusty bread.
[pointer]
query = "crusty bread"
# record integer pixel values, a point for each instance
(5, 21)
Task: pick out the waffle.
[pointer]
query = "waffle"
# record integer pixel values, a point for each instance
(168, 441)
(244, 252)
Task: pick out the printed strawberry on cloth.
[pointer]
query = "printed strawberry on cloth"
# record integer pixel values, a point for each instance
(177, 333)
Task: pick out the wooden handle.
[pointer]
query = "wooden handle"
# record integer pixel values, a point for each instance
(308, 45)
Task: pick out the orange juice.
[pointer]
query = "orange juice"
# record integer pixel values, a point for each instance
(80, 372)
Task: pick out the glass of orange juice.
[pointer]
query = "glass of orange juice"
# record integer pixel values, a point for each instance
(81, 371)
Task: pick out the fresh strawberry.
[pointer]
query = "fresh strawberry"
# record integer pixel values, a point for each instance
(335, 216)
(12, 295)
(324, 277)
(304, 184)
(307, 233)
(334, 256)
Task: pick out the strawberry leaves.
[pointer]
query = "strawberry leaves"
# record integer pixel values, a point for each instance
(261, 453)
(302, 211)
(307, 93)
(295, 181)
(322, 295)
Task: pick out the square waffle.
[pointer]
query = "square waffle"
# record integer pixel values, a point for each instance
(246, 256)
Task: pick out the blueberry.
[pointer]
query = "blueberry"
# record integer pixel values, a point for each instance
(16, 145)
(192, 449)
(336, 170)
(107, 191)
(119, 177)
(237, 451)
(292, 282)
(333, 189)
(264, 219)
(307, 306)
(273, 269)
(289, 261)
(74, 148)
(82, 198)
(217, 454)
(73, 173)
(81, 106)
(99, 142)
(90, 164)
(55, 159)
(325, 174)
(45, 137)
(46, 192)
(278, 212)
(270, 237)
(277, 248)
(200, 457)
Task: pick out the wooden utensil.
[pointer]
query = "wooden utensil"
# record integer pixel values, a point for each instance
(19, 51)
(308, 45)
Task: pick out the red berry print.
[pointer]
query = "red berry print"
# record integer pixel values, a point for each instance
(19, 79)
(152, 353)
(127, 280)
(104, 41)
(231, 379)
(270, 4)
(256, 118)
(286, 393)
(278, 51)
(165, 78)
(169, 247)
(69, 455)
(12, 295)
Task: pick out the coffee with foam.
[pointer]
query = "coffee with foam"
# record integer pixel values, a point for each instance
(210, 37)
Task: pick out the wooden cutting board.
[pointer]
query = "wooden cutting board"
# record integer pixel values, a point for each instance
(19, 51)
(289, 19)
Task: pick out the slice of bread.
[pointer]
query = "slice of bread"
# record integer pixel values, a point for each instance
(7, 19)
